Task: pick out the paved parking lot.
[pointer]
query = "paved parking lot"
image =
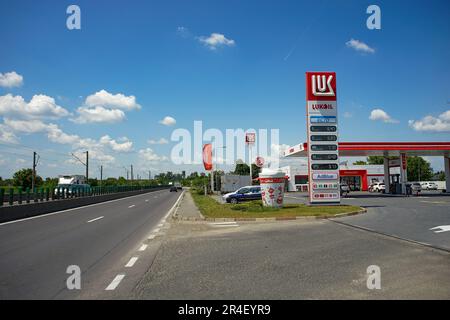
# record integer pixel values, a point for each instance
(405, 217)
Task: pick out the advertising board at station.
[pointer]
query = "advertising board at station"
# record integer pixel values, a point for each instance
(322, 134)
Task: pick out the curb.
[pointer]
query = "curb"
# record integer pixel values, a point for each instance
(339, 215)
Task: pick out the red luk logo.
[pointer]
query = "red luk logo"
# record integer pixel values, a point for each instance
(321, 86)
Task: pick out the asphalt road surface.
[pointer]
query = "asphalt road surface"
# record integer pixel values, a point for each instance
(409, 218)
(101, 239)
(301, 259)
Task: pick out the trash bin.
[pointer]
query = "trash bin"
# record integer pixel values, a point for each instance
(272, 187)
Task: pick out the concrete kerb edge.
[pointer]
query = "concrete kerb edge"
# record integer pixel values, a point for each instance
(352, 213)
(172, 212)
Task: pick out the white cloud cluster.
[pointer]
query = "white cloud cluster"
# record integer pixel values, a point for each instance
(381, 115)
(359, 46)
(122, 145)
(432, 124)
(105, 107)
(10, 79)
(168, 121)
(216, 40)
(149, 155)
(159, 141)
(40, 106)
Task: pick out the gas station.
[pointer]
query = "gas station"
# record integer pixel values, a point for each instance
(388, 149)
(323, 148)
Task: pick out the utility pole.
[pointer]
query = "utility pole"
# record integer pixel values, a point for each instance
(87, 166)
(33, 177)
(149, 175)
(131, 174)
(101, 175)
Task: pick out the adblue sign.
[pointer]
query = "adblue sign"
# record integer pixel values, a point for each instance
(323, 157)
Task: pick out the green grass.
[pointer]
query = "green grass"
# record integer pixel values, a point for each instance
(210, 208)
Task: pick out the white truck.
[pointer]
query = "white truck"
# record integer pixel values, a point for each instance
(69, 182)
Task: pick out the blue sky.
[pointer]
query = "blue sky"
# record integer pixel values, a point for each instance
(158, 53)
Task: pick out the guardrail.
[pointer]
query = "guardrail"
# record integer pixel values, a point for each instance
(41, 202)
(49, 194)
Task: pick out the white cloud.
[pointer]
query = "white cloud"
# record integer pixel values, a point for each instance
(105, 107)
(124, 146)
(168, 121)
(10, 79)
(98, 114)
(216, 40)
(359, 46)
(379, 114)
(160, 141)
(26, 126)
(105, 99)
(40, 106)
(6, 135)
(149, 155)
(432, 124)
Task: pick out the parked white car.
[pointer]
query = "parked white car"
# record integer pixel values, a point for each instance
(429, 186)
(378, 187)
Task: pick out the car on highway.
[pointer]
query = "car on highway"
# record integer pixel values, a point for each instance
(377, 187)
(345, 189)
(247, 193)
(173, 189)
(429, 186)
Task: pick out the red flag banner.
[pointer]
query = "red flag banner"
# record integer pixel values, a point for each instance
(207, 156)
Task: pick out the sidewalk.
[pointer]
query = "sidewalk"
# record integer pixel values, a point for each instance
(188, 210)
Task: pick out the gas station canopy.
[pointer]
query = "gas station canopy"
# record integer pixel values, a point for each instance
(363, 149)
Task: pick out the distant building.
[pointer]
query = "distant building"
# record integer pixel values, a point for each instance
(358, 177)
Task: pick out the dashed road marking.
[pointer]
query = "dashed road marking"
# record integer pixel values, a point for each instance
(143, 247)
(160, 225)
(146, 200)
(132, 206)
(151, 237)
(113, 285)
(95, 219)
(131, 262)
(156, 230)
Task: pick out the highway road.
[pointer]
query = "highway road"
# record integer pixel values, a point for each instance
(36, 252)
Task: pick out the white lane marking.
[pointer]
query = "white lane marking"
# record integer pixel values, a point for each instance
(151, 237)
(95, 219)
(224, 224)
(156, 230)
(146, 200)
(77, 208)
(131, 262)
(113, 285)
(143, 247)
(133, 205)
(440, 229)
(160, 225)
(435, 202)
